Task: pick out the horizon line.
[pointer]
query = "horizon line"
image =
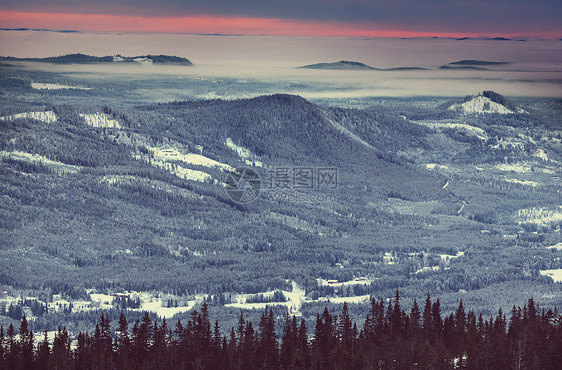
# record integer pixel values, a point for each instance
(218, 34)
(212, 25)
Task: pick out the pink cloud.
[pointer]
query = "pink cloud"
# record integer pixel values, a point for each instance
(212, 24)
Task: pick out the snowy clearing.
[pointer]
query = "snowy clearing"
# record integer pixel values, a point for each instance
(100, 120)
(555, 274)
(504, 143)
(539, 215)
(172, 154)
(523, 182)
(240, 150)
(556, 246)
(476, 131)
(184, 173)
(515, 167)
(356, 299)
(389, 259)
(295, 298)
(47, 117)
(57, 167)
(335, 283)
(179, 171)
(244, 153)
(427, 269)
(151, 304)
(448, 257)
(50, 86)
(435, 166)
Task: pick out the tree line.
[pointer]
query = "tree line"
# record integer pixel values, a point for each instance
(391, 337)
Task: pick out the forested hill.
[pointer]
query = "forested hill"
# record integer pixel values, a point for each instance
(287, 129)
(89, 59)
(389, 338)
(115, 161)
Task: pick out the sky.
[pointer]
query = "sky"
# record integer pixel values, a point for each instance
(369, 18)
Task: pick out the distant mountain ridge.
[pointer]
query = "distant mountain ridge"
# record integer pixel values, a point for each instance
(476, 62)
(354, 66)
(89, 59)
(472, 64)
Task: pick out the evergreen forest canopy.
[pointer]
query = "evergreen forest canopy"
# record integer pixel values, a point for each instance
(388, 338)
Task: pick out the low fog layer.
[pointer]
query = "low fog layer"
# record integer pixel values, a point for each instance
(534, 69)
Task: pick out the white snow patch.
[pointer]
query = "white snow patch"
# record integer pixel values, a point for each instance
(539, 215)
(295, 298)
(185, 173)
(541, 154)
(100, 120)
(427, 268)
(556, 246)
(179, 171)
(47, 117)
(555, 274)
(514, 167)
(172, 154)
(58, 167)
(510, 142)
(145, 61)
(480, 104)
(523, 182)
(448, 257)
(476, 131)
(480, 133)
(355, 299)
(50, 86)
(164, 312)
(101, 298)
(433, 166)
(148, 302)
(356, 281)
(244, 153)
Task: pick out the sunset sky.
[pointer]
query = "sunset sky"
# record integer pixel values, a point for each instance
(399, 18)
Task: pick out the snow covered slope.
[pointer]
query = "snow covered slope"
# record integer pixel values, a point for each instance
(47, 117)
(100, 120)
(480, 104)
(172, 154)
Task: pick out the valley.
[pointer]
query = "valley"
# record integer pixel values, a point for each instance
(106, 192)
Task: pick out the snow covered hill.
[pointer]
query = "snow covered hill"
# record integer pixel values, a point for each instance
(480, 104)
